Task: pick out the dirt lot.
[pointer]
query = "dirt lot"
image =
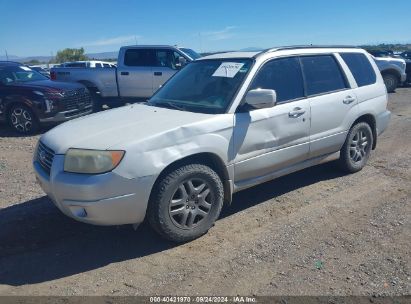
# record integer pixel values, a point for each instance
(315, 232)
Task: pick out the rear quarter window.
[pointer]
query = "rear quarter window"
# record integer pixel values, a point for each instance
(360, 67)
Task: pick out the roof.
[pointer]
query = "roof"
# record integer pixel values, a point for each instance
(275, 49)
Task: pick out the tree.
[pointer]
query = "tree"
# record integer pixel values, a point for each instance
(70, 55)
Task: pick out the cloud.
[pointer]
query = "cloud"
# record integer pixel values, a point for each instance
(112, 41)
(223, 34)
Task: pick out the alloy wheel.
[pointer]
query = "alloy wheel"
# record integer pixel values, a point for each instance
(191, 203)
(21, 120)
(359, 146)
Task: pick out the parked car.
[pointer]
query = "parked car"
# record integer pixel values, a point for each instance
(407, 57)
(224, 123)
(141, 71)
(87, 64)
(393, 71)
(41, 71)
(28, 99)
(381, 53)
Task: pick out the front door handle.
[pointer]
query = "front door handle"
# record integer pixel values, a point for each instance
(124, 73)
(296, 112)
(348, 99)
(158, 73)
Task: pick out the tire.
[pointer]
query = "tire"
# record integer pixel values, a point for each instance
(357, 148)
(22, 119)
(186, 202)
(391, 82)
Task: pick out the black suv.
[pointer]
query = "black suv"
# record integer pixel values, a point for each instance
(29, 99)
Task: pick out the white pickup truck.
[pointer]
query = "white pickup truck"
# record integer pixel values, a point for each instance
(140, 71)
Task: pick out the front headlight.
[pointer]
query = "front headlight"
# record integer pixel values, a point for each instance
(91, 161)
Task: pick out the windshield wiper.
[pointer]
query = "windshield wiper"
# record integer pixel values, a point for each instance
(169, 105)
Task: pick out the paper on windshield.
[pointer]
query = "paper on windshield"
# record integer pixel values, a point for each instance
(228, 69)
(25, 68)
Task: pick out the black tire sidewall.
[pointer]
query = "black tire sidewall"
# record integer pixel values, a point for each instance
(347, 163)
(159, 215)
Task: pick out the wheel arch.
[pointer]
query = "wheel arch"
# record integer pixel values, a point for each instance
(370, 120)
(392, 71)
(205, 158)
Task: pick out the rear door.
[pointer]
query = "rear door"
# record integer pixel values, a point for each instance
(135, 74)
(165, 66)
(333, 103)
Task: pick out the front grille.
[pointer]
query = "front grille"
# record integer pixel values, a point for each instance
(78, 99)
(45, 156)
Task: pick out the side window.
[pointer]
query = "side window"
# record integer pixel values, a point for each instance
(167, 58)
(322, 74)
(139, 57)
(360, 68)
(282, 75)
(98, 65)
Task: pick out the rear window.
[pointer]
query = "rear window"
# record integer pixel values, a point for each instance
(322, 74)
(360, 67)
(139, 57)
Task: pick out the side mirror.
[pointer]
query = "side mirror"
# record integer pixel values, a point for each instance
(181, 62)
(261, 98)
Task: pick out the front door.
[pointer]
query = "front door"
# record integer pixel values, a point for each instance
(165, 67)
(271, 139)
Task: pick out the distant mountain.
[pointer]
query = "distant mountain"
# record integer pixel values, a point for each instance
(104, 55)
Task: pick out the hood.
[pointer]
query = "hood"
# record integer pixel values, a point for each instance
(48, 84)
(389, 59)
(110, 128)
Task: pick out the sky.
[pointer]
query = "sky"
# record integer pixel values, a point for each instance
(42, 27)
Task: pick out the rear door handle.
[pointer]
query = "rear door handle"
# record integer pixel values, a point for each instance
(296, 112)
(158, 73)
(125, 73)
(348, 99)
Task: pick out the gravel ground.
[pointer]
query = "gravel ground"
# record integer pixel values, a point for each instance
(315, 232)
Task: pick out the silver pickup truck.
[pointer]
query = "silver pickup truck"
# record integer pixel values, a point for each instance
(140, 71)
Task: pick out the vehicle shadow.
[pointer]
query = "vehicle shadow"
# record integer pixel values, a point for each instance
(7, 131)
(39, 244)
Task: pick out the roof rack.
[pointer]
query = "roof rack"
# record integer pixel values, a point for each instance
(295, 47)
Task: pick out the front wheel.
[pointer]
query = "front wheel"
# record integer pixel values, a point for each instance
(391, 82)
(22, 119)
(186, 203)
(357, 148)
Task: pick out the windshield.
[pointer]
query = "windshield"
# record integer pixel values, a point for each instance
(206, 86)
(12, 74)
(193, 54)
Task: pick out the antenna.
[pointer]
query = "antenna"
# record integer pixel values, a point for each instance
(7, 56)
(135, 38)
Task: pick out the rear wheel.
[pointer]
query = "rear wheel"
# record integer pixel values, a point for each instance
(186, 203)
(22, 119)
(357, 148)
(391, 82)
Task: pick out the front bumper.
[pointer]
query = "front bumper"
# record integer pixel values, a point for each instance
(403, 77)
(103, 199)
(382, 121)
(66, 115)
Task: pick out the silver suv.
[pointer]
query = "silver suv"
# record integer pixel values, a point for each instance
(224, 123)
